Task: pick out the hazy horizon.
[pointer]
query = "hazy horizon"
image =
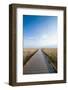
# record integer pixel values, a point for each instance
(40, 31)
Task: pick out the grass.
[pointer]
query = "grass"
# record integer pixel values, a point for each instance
(28, 53)
(52, 53)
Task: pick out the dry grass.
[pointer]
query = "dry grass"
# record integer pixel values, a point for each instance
(27, 53)
(52, 53)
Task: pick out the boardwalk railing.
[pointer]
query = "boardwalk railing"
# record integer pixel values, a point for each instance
(55, 68)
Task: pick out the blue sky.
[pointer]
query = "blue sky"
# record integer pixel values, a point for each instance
(40, 31)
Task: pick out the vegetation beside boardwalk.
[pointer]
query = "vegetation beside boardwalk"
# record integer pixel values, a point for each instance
(28, 53)
(52, 53)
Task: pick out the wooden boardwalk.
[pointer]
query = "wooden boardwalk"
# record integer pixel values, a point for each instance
(38, 63)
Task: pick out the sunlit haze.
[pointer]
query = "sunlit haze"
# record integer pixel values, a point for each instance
(40, 31)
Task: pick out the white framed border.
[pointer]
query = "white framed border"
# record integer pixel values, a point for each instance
(38, 77)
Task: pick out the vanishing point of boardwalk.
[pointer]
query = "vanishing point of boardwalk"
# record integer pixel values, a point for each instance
(38, 63)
